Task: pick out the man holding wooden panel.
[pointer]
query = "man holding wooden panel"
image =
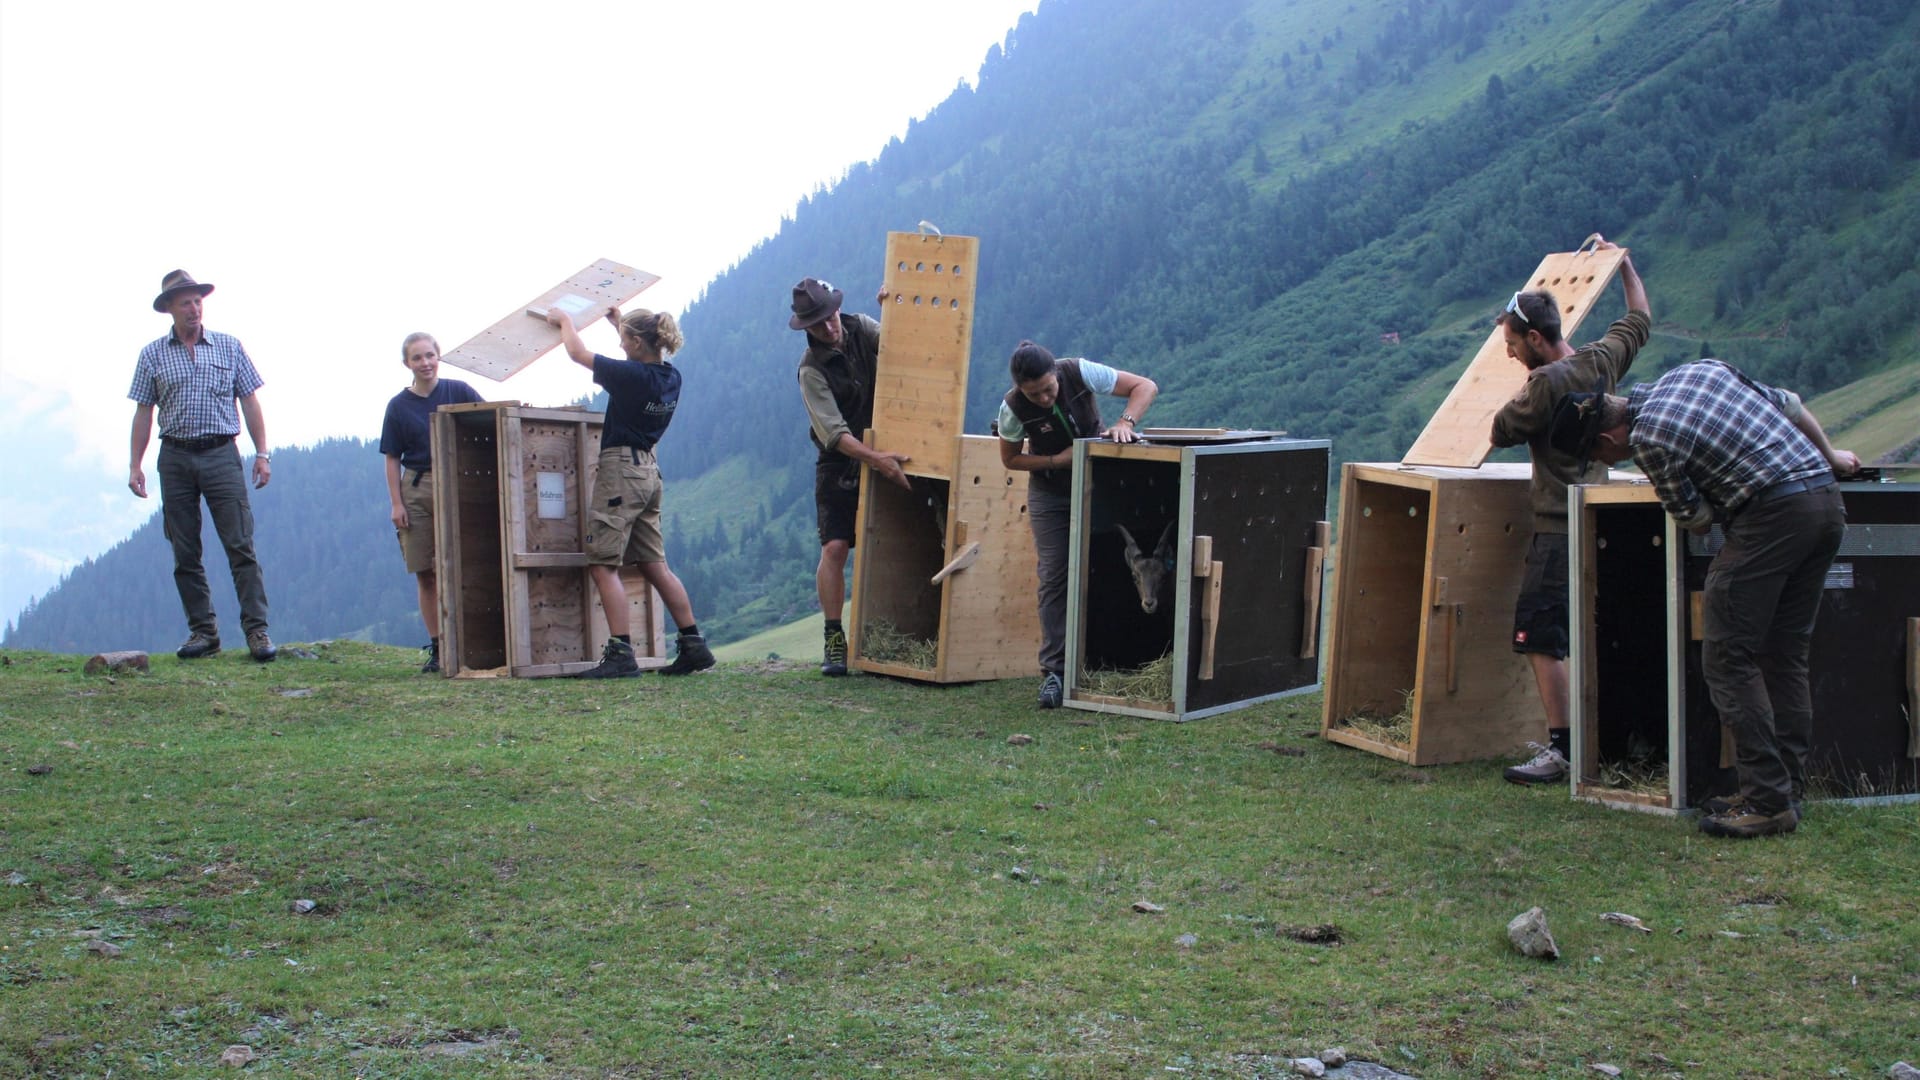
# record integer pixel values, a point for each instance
(1554, 369)
(836, 381)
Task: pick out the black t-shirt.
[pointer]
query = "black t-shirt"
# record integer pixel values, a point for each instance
(405, 433)
(640, 400)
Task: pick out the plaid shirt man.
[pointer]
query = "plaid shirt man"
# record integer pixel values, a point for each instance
(195, 389)
(1710, 439)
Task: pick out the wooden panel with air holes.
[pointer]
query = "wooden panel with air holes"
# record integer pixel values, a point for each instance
(504, 349)
(926, 338)
(1457, 433)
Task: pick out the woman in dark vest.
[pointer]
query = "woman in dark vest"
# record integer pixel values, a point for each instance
(1052, 403)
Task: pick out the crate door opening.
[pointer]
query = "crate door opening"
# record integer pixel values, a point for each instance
(1621, 662)
(1379, 618)
(1130, 586)
(902, 546)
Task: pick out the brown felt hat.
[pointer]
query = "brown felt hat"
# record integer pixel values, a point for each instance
(177, 281)
(814, 302)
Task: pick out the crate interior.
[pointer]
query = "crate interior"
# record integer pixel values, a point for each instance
(1120, 637)
(1628, 747)
(481, 636)
(1382, 555)
(906, 537)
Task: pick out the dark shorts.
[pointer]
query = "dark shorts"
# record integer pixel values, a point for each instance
(1540, 615)
(836, 499)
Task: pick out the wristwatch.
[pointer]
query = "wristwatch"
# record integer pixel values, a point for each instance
(1126, 418)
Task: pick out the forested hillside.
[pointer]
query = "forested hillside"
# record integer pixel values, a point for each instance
(1302, 213)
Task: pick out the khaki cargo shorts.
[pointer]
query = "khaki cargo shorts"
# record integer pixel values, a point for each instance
(416, 540)
(625, 516)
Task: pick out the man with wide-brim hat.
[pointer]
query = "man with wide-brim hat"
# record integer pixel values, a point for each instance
(174, 284)
(195, 376)
(836, 382)
(1722, 449)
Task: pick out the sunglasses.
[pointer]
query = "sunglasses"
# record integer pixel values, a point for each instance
(1513, 307)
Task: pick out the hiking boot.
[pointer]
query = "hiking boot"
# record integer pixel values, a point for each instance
(197, 645)
(1051, 692)
(261, 646)
(432, 666)
(1744, 821)
(1545, 767)
(616, 662)
(1718, 805)
(834, 653)
(692, 656)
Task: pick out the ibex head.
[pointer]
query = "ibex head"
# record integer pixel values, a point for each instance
(1150, 572)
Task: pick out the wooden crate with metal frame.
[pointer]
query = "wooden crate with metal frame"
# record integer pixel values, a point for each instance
(1228, 534)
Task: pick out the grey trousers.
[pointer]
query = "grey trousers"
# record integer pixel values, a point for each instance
(1762, 594)
(186, 477)
(1051, 517)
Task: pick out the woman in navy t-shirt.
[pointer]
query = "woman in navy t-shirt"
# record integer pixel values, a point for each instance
(406, 441)
(642, 392)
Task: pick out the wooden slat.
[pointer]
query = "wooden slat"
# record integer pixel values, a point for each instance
(926, 339)
(1457, 433)
(504, 349)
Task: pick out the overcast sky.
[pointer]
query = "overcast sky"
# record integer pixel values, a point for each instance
(346, 173)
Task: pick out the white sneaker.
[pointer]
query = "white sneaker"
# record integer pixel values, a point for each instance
(1546, 767)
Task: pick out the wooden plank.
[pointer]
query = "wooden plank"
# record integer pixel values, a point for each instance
(504, 349)
(1210, 617)
(1133, 451)
(1346, 737)
(926, 341)
(960, 562)
(1457, 433)
(513, 524)
(446, 526)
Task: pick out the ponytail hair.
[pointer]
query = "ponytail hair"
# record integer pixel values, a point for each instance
(657, 329)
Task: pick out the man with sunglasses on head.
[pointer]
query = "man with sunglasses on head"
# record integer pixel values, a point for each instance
(1555, 369)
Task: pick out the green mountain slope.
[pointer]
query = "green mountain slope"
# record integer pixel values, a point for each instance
(1302, 213)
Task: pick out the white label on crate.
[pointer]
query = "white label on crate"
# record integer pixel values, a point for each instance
(573, 303)
(553, 495)
(1840, 576)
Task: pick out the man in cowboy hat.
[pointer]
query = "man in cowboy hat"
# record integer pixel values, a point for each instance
(1531, 323)
(195, 375)
(1721, 448)
(836, 382)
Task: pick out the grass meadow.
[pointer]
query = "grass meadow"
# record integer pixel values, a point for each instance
(756, 872)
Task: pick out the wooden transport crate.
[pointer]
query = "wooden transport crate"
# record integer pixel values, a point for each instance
(1645, 733)
(1238, 619)
(510, 487)
(1420, 664)
(943, 590)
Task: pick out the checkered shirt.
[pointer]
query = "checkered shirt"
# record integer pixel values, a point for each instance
(1710, 439)
(195, 389)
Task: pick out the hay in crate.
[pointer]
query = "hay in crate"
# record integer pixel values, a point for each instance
(884, 643)
(1396, 729)
(1150, 682)
(1640, 777)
